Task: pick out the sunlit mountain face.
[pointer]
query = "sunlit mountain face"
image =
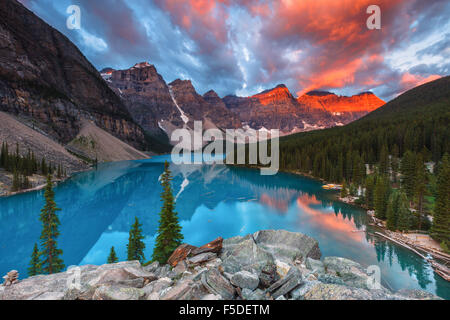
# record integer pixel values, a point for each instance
(245, 47)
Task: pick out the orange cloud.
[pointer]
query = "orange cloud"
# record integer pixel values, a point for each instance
(411, 80)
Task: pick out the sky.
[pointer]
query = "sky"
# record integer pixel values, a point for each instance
(242, 47)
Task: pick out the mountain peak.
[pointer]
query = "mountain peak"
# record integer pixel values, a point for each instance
(211, 94)
(183, 85)
(319, 93)
(366, 93)
(107, 70)
(363, 102)
(140, 65)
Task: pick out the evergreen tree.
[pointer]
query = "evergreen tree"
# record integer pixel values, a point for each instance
(384, 161)
(408, 170)
(403, 212)
(352, 190)
(135, 246)
(16, 182)
(169, 230)
(344, 190)
(51, 261)
(392, 211)
(381, 196)
(35, 264)
(440, 229)
(369, 193)
(420, 187)
(112, 258)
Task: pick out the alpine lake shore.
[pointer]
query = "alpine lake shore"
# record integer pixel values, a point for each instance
(266, 265)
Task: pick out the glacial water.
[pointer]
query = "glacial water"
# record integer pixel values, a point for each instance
(99, 206)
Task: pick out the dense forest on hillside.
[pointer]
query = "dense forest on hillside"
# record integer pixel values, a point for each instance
(416, 121)
(394, 159)
(24, 166)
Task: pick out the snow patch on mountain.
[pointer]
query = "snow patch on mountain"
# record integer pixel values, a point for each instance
(183, 115)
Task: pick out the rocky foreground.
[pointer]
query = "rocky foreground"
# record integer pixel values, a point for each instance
(266, 265)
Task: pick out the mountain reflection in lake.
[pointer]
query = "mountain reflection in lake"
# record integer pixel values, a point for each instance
(99, 206)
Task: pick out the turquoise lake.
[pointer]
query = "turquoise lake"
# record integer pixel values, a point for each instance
(99, 206)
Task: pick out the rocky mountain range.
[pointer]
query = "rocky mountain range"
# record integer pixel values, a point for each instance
(155, 105)
(47, 84)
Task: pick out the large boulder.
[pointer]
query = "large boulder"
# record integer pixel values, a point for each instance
(350, 272)
(242, 253)
(244, 279)
(287, 246)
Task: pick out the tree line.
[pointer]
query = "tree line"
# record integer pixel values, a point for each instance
(385, 159)
(24, 166)
(47, 259)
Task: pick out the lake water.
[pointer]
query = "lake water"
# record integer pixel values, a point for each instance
(99, 206)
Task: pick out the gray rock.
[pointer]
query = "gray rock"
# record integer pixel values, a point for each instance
(351, 272)
(322, 291)
(184, 290)
(299, 292)
(246, 255)
(316, 266)
(245, 279)
(415, 294)
(268, 276)
(285, 285)
(163, 271)
(287, 246)
(154, 289)
(132, 277)
(281, 298)
(217, 284)
(180, 268)
(258, 294)
(198, 275)
(117, 292)
(330, 279)
(152, 267)
(211, 296)
(201, 258)
(229, 244)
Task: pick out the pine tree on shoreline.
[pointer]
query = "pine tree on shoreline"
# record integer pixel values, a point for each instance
(169, 230)
(112, 258)
(135, 246)
(35, 264)
(440, 229)
(50, 254)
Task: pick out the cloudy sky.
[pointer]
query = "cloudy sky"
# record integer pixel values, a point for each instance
(245, 46)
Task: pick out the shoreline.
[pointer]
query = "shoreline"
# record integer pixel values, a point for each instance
(42, 186)
(396, 237)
